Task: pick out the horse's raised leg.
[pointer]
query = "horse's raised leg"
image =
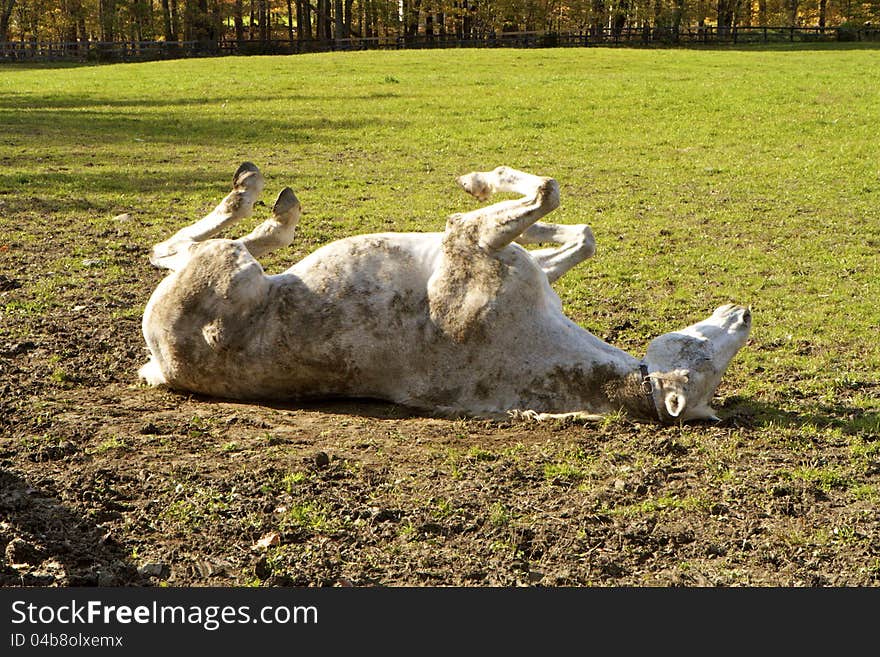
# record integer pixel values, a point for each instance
(465, 287)
(247, 184)
(278, 231)
(501, 223)
(576, 245)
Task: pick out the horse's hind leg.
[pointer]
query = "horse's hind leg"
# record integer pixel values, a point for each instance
(576, 245)
(483, 184)
(247, 184)
(278, 231)
(501, 223)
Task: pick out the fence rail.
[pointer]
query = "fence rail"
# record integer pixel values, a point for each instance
(630, 36)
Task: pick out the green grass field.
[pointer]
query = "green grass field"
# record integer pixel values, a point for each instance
(708, 176)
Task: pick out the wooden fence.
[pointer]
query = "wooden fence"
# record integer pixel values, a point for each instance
(30, 51)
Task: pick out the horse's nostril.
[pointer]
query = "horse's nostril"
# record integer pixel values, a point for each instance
(747, 315)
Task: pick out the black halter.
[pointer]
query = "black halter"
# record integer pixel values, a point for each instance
(648, 390)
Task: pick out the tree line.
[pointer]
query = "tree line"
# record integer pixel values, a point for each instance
(325, 21)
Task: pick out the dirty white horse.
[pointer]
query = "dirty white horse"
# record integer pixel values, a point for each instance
(462, 322)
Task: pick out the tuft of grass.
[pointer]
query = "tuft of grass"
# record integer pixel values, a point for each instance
(40, 441)
(291, 479)
(571, 466)
(499, 515)
(480, 454)
(199, 427)
(195, 509)
(310, 516)
(564, 472)
(441, 509)
(865, 454)
(110, 444)
(867, 492)
(408, 531)
(663, 504)
(824, 478)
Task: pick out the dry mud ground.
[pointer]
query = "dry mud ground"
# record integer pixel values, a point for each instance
(106, 482)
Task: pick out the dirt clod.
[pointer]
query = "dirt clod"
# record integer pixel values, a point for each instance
(152, 569)
(19, 551)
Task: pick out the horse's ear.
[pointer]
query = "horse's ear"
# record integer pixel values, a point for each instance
(675, 402)
(673, 384)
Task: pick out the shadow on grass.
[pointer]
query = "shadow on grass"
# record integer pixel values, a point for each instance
(377, 409)
(89, 128)
(43, 530)
(11, 66)
(737, 412)
(77, 188)
(851, 421)
(93, 139)
(85, 102)
(21, 192)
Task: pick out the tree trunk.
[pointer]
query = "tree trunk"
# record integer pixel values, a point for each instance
(290, 20)
(762, 13)
(599, 17)
(6, 7)
(346, 23)
(321, 21)
(411, 17)
(328, 23)
(215, 29)
(462, 27)
(743, 14)
(175, 19)
(677, 15)
(417, 6)
(237, 19)
(725, 16)
(325, 24)
(618, 21)
(304, 25)
(108, 19)
(793, 13)
(367, 8)
(203, 21)
(188, 16)
(823, 7)
(337, 20)
(70, 12)
(264, 20)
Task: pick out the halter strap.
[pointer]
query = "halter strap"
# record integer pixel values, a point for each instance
(648, 390)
